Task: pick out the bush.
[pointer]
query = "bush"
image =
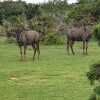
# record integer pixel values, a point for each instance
(96, 32)
(11, 40)
(93, 97)
(54, 38)
(94, 75)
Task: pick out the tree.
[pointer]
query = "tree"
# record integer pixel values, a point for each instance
(86, 11)
(32, 11)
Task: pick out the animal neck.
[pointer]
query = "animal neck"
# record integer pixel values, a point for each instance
(41, 35)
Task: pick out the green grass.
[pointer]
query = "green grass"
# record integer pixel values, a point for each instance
(56, 76)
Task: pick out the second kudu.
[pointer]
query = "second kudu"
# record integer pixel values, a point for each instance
(78, 34)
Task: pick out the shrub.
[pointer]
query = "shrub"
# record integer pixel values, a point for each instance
(54, 38)
(94, 75)
(96, 32)
(92, 97)
(11, 40)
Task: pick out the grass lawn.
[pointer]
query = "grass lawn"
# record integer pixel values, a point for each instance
(56, 76)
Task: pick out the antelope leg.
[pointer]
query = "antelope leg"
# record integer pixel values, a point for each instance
(21, 53)
(83, 47)
(71, 46)
(25, 47)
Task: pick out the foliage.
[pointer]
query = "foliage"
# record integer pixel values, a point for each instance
(96, 32)
(43, 23)
(32, 11)
(9, 8)
(54, 38)
(43, 17)
(93, 97)
(85, 12)
(10, 40)
(94, 75)
(53, 17)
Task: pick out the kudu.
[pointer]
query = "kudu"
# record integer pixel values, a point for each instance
(81, 33)
(28, 37)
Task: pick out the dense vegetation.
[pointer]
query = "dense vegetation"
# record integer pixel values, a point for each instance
(94, 75)
(54, 17)
(43, 17)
